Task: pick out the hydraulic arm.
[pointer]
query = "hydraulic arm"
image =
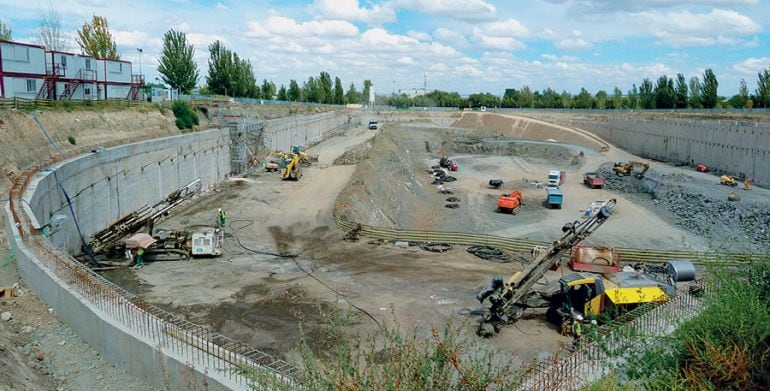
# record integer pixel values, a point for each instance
(508, 299)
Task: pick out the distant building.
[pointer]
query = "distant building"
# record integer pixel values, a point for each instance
(31, 72)
(412, 92)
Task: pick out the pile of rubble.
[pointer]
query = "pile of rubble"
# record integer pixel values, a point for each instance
(704, 213)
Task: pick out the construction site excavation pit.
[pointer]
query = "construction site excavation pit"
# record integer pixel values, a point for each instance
(286, 270)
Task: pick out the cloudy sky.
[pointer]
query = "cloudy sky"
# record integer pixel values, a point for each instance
(462, 45)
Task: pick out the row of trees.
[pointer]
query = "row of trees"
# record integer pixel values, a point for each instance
(665, 93)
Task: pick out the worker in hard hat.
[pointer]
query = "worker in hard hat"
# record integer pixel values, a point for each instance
(139, 258)
(221, 218)
(577, 330)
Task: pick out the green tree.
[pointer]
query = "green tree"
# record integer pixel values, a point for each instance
(294, 92)
(95, 39)
(339, 92)
(352, 95)
(646, 94)
(681, 91)
(5, 31)
(633, 97)
(763, 88)
(311, 90)
(268, 89)
(566, 100)
(325, 94)
(709, 89)
(695, 100)
(584, 100)
(601, 99)
(550, 99)
(229, 74)
(617, 98)
(526, 99)
(485, 99)
(176, 64)
(282, 95)
(665, 97)
(367, 86)
(739, 100)
(510, 98)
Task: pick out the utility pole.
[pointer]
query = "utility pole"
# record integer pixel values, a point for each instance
(140, 60)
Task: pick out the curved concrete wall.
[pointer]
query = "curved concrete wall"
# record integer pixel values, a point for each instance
(729, 145)
(103, 187)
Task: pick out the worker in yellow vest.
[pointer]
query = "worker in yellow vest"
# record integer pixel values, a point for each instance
(139, 258)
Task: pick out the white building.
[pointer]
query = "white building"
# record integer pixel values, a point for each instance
(31, 72)
(22, 70)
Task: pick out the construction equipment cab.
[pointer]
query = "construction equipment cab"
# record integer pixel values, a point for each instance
(728, 180)
(554, 178)
(510, 203)
(290, 168)
(627, 168)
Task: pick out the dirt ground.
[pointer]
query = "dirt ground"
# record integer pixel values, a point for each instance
(286, 270)
(270, 301)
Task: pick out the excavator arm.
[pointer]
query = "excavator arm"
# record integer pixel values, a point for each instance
(508, 299)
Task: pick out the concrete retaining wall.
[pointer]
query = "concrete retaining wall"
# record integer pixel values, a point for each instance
(105, 186)
(281, 134)
(732, 146)
(157, 365)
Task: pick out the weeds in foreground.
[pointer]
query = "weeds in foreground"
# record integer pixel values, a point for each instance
(439, 359)
(727, 346)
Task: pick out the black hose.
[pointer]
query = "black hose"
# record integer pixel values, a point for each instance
(490, 254)
(436, 247)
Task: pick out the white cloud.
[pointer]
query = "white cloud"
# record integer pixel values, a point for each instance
(573, 44)
(406, 60)
(684, 28)
(447, 35)
(350, 10)
(135, 39)
(283, 26)
(221, 6)
(506, 28)
(752, 66)
(419, 35)
(466, 10)
(590, 7)
(500, 43)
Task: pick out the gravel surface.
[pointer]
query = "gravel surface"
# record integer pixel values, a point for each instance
(700, 207)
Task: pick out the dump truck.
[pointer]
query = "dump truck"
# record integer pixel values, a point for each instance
(593, 180)
(554, 198)
(510, 203)
(556, 178)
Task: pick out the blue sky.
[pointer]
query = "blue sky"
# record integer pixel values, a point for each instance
(462, 45)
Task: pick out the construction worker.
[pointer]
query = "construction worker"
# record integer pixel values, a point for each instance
(139, 258)
(221, 218)
(576, 330)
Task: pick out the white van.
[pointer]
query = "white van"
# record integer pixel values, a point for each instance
(554, 178)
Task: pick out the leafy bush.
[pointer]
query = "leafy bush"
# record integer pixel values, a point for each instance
(71, 140)
(727, 346)
(186, 118)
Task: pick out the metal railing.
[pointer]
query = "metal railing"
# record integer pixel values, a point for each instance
(593, 357)
(525, 246)
(162, 329)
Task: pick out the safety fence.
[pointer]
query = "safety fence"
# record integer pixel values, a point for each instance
(606, 346)
(525, 246)
(161, 328)
(32, 104)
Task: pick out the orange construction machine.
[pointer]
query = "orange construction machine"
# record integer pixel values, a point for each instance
(510, 203)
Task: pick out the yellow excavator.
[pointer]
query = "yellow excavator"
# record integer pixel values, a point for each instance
(627, 168)
(578, 296)
(290, 167)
